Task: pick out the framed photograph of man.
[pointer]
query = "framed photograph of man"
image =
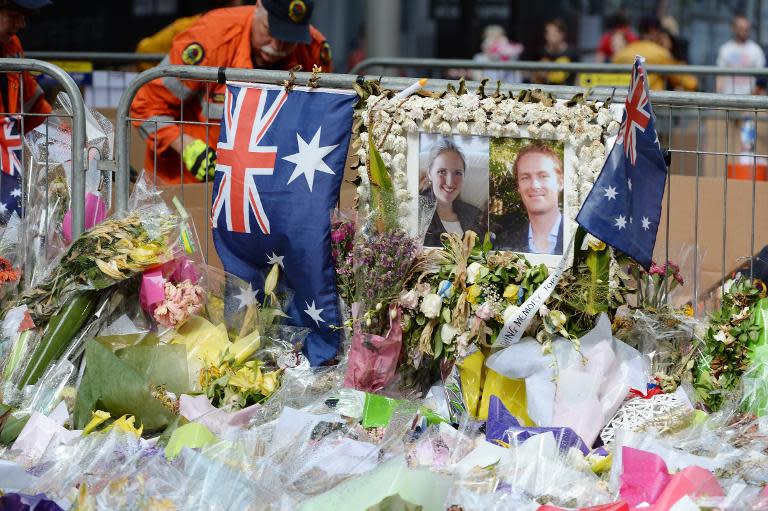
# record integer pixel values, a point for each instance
(450, 172)
(529, 180)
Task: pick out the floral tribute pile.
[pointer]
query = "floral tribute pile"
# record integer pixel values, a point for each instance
(135, 376)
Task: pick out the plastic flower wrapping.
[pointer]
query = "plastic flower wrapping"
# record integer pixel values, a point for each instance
(136, 376)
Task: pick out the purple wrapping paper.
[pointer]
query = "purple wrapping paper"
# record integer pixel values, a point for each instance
(20, 502)
(503, 427)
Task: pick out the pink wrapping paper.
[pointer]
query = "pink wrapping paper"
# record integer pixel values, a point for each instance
(645, 479)
(152, 290)
(694, 482)
(644, 476)
(184, 269)
(95, 213)
(373, 358)
(616, 506)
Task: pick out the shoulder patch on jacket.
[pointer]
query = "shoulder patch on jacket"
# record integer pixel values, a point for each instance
(192, 54)
(325, 53)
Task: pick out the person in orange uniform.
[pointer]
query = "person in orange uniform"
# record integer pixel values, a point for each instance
(161, 41)
(275, 34)
(13, 15)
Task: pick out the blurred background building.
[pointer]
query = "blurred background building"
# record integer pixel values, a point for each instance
(411, 28)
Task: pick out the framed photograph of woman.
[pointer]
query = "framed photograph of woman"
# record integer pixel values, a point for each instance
(453, 175)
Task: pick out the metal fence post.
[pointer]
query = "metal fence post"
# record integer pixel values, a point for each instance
(573, 67)
(671, 101)
(78, 130)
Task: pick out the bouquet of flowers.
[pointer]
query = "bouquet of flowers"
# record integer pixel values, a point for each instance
(461, 299)
(728, 343)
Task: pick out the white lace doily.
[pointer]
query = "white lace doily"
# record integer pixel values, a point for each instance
(636, 413)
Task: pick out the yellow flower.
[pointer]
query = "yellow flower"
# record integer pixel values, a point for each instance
(247, 378)
(144, 254)
(594, 243)
(97, 419)
(269, 383)
(511, 291)
(271, 282)
(244, 347)
(473, 293)
(688, 310)
(125, 424)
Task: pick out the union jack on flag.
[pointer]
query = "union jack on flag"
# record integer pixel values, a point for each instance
(10, 144)
(279, 167)
(247, 118)
(623, 209)
(10, 168)
(637, 112)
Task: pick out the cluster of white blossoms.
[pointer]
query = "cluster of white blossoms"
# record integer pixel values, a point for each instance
(584, 128)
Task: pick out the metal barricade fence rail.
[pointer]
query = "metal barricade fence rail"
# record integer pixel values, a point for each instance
(77, 119)
(608, 71)
(706, 208)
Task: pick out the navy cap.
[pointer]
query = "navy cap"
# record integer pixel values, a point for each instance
(289, 19)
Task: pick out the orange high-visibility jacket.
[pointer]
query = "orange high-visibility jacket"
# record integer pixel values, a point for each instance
(219, 38)
(34, 100)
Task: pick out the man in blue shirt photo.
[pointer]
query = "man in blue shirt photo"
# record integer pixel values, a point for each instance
(538, 171)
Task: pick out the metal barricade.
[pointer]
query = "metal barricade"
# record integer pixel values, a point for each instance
(599, 74)
(708, 208)
(77, 118)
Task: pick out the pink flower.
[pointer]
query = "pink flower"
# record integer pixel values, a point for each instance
(182, 301)
(657, 270)
(409, 299)
(337, 235)
(484, 312)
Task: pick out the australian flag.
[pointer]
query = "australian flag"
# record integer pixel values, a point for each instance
(10, 168)
(623, 209)
(280, 164)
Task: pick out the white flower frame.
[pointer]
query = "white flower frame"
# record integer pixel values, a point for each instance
(586, 129)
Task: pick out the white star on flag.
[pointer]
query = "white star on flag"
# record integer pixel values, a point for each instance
(621, 222)
(16, 192)
(646, 223)
(314, 313)
(3, 209)
(610, 192)
(629, 183)
(276, 259)
(310, 159)
(246, 297)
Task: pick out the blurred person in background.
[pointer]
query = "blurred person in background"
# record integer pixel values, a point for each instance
(739, 53)
(13, 14)
(555, 49)
(497, 48)
(160, 42)
(672, 40)
(650, 46)
(275, 34)
(616, 37)
(357, 53)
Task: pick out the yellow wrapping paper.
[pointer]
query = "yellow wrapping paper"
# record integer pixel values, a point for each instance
(478, 384)
(511, 392)
(204, 342)
(471, 375)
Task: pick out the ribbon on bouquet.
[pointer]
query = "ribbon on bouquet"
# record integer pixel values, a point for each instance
(513, 329)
